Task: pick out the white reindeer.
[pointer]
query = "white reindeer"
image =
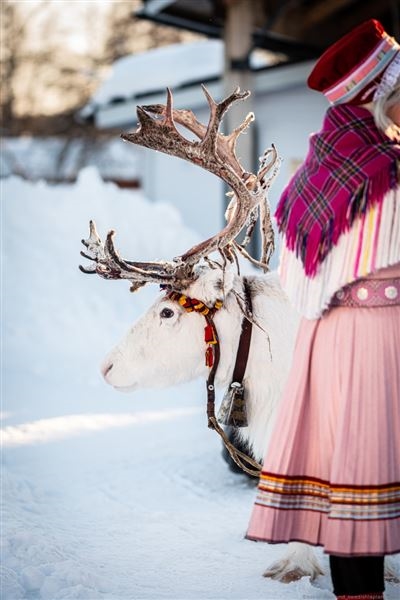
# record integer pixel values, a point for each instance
(166, 346)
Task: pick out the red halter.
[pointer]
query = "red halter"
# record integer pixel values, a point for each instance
(210, 333)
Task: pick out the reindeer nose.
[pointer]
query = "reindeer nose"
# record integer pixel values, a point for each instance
(106, 368)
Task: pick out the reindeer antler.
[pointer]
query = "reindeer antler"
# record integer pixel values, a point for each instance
(214, 152)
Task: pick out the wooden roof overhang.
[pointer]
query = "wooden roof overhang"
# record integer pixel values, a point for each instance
(298, 29)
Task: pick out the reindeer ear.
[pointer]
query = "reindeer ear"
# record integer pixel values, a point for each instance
(214, 284)
(223, 283)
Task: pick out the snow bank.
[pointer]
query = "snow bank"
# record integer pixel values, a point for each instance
(59, 322)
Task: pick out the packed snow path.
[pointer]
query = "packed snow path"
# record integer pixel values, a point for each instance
(108, 495)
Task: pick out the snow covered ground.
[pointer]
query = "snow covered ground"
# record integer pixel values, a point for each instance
(106, 495)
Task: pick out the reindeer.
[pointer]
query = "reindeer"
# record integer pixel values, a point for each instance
(167, 345)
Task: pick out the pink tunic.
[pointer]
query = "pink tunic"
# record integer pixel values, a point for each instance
(331, 476)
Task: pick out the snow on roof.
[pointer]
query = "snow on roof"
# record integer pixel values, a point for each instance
(57, 159)
(169, 66)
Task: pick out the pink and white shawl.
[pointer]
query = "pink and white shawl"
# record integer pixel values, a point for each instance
(340, 213)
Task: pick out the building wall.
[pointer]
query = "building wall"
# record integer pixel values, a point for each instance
(287, 118)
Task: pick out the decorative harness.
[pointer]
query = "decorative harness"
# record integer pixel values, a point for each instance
(233, 407)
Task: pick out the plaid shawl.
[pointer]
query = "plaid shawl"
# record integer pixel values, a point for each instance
(350, 167)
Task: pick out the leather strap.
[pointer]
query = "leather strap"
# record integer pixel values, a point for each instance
(245, 340)
(241, 356)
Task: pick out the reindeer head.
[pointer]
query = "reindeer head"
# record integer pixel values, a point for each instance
(166, 345)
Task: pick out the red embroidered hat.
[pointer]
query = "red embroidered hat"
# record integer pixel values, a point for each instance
(353, 67)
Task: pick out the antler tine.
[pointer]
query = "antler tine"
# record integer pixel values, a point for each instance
(231, 139)
(266, 166)
(169, 119)
(252, 220)
(217, 111)
(95, 248)
(267, 235)
(210, 139)
(222, 107)
(267, 231)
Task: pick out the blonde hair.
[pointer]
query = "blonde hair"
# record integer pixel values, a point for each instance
(380, 109)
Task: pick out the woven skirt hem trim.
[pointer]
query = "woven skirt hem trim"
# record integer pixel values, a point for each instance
(253, 538)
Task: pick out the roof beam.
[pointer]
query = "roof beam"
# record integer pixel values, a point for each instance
(284, 45)
(155, 6)
(208, 29)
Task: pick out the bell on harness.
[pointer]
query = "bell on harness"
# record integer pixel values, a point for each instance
(233, 407)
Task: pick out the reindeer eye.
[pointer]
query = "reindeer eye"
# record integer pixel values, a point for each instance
(166, 313)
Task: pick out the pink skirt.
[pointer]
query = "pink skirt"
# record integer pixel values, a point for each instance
(331, 476)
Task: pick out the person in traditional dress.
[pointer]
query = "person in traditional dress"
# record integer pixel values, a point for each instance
(331, 475)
